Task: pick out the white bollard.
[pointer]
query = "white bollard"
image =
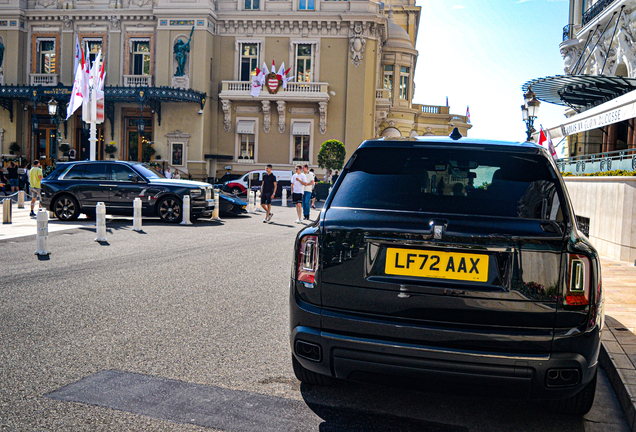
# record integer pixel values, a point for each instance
(137, 214)
(258, 201)
(51, 215)
(284, 198)
(217, 210)
(250, 205)
(186, 211)
(43, 233)
(100, 222)
(7, 210)
(21, 199)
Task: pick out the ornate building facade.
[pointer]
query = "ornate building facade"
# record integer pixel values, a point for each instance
(178, 79)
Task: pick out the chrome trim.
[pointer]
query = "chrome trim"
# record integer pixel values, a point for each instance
(536, 357)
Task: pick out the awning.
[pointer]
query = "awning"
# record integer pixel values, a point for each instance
(245, 127)
(614, 111)
(301, 128)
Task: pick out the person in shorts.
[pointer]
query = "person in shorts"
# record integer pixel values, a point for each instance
(268, 190)
(35, 178)
(13, 176)
(298, 183)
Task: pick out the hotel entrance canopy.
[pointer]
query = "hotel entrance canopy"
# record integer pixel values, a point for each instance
(599, 100)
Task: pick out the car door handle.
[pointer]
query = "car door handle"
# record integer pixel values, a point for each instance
(107, 185)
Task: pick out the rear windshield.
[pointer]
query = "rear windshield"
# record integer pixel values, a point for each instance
(469, 182)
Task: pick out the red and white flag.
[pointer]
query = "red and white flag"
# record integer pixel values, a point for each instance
(78, 53)
(76, 93)
(546, 141)
(467, 113)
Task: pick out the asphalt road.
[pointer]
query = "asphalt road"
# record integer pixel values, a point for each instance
(185, 328)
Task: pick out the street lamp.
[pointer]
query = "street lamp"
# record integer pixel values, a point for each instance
(530, 111)
(141, 125)
(53, 108)
(53, 112)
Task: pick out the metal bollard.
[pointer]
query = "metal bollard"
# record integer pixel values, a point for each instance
(43, 233)
(21, 199)
(258, 202)
(100, 222)
(186, 211)
(250, 205)
(284, 198)
(217, 210)
(7, 210)
(137, 214)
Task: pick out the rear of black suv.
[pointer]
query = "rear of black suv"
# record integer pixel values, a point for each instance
(451, 261)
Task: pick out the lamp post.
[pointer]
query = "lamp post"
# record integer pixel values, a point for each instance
(530, 111)
(53, 112)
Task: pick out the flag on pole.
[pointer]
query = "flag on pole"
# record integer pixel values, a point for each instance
(86, 85)
(76, 93)
(100, 93)
(78, 52)
(94, 81)
(257, 80)
(468, 113)
(446, 100)
(545, 140)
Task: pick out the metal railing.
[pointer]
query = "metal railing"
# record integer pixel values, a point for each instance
(595, 10)
(567, 32)
(599, 162)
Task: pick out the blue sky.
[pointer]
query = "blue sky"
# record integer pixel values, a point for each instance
(480, 52)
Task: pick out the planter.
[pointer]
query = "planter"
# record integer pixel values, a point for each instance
(322, 191)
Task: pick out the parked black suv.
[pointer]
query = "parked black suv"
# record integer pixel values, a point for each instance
(77, 187)
(451, 260)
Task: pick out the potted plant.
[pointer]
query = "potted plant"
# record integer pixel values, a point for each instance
(111, 150)
(64, 148)
(15, 148)
(330, 157)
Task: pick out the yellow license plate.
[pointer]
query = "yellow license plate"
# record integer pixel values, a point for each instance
(436, 264)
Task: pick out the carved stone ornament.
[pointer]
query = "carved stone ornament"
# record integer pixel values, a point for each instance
(140, 3)
(115, 22)
(267, 116)
(357, 43)
(323, 117)
(380, 117)
(280, 106)
(68, 23)
(227, 114)
(570, 57)
(46, 3)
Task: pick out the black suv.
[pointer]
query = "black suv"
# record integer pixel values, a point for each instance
(77, 187)
(450, 260)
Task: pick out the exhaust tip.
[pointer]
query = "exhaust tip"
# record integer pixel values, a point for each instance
(562, 377)
(308, 350)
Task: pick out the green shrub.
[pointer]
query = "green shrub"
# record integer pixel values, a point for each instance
(332, 155)
(612, 173)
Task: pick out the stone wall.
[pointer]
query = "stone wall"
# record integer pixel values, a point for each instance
(610, 204)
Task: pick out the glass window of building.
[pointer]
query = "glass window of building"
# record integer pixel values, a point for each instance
(249, 61)
(141, 58)
(92, 47)
(46, 61)
(388, 77)
(304, 54)
(246, 151)
(305, 4)
(301, 148)
(404, 82)
(251, 4)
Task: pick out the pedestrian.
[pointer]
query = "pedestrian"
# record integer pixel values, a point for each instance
(328, 176)
(268, 190)
(4, 182)
(313, 190)
(309, 184)
(167, 173)
(13, 176)
(298, 182)
(176, 175)
(35, 177)
(334, 179)
(25, 179)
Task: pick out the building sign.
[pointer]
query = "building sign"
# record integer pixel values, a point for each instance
(595, 122)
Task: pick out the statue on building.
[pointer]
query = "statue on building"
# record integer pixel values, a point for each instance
(181, 50)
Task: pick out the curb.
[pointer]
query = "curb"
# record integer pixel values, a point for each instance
(618, 358)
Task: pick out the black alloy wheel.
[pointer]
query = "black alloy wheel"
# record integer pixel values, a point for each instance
(236, 190)
(66, 208)
(169, 209)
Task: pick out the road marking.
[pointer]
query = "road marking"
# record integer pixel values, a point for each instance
(225, 409)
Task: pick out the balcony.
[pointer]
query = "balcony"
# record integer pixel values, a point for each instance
(137, 80)
(595, 10)
(44, 79)
(433, 109)
(304, 91)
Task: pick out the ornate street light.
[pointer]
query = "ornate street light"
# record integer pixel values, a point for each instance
(35, 123)
(530, 111)
(141, 125)
(53, 112)
(53, 108)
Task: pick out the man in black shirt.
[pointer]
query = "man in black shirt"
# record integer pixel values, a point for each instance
(268, 190)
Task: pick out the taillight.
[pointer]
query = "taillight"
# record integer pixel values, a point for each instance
(308, 259)
(578, 281)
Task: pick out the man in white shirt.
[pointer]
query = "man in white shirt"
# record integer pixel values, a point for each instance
(309, 185)
(168, 173)
(298, 183)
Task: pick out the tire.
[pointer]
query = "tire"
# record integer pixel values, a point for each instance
(66, 208)
(579, 404)
(170, 209)
(236, 190)
(308, 377)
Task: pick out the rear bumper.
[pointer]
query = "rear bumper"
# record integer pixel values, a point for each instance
(361, 357)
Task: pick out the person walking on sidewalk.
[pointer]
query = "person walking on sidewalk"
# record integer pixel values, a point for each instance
(298, 183)
(267, 192)
(309, 186)
(13, 176)
(35, 177)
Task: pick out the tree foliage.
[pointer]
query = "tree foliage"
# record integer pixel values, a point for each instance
(332, 155)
